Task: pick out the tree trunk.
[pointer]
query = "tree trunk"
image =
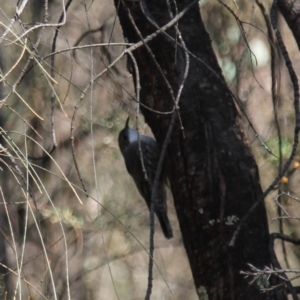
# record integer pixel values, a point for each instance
(214, 178)
(290, 10)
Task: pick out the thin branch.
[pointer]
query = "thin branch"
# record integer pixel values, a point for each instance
(295, 84)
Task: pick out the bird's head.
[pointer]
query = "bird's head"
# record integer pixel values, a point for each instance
(127, 136)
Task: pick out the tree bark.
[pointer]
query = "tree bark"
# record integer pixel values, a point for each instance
(214, 178)
(290, 10)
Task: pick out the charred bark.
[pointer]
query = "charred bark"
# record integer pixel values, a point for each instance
(214, 178)
(290, 10)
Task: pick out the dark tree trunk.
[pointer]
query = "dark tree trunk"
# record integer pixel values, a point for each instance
(290, 10)
(214, 178)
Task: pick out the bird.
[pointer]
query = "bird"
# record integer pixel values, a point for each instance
(129, 146)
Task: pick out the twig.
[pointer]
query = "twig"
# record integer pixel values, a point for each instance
(294, 81)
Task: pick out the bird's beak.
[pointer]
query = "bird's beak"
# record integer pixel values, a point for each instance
(127, 123)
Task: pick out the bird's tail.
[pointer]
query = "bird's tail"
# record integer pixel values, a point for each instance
(165, 224)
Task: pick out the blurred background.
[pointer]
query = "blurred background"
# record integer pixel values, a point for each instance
(73, 224)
